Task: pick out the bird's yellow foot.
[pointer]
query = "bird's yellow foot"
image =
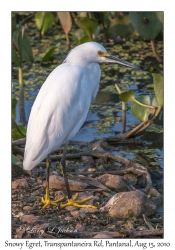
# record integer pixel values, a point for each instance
(47, 202)
(77, 203)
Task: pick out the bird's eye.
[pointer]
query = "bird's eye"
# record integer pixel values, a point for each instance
(100, 53)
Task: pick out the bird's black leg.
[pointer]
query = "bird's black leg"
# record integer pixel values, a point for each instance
(63, 165)
(48, 164)
(47, 200)
(72, 201)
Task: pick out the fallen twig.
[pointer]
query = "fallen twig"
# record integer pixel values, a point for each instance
(143, 233)
(124, 234)
(91, 181)
(134, 167)
(19, 142)
(132, 170)
(147, 222)
(18, 150)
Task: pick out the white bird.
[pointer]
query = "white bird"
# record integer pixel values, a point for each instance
(62, 105)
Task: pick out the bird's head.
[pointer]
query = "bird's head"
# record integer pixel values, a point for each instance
(93, 52)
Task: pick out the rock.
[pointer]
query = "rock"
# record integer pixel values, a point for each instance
(27, 208)
(78, 214)
(90, 210)
(80, 227)
(39, 181)
(20, 183)
(20, 231)
(75, 214)
(130, 204)
(153, 192)
(141, 228)
(33, 179)
(42, 226)
(130, 178)
(91, 170)
(57, 182)
(45, 226)
(114, 182)
(156, 174)
(69, 218)
(54, 173)
(88, 160)
(103, 236)
(82, 169)
(20, 214)
(58, 195)
(29, 218)
(71, 208)
(141, 181)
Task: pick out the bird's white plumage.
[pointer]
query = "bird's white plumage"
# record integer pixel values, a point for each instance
(63, 101)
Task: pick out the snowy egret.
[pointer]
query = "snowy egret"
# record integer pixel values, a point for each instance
(61, 107)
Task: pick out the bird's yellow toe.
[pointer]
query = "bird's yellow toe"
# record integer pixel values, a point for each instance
(48, 202)
(77, 203)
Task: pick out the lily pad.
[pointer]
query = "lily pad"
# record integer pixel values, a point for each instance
(121, 26)
(148, 24)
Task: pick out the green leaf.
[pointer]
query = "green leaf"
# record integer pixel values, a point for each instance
(82, 14)
(14, 102)
(106, 20)
(13, 23)
(148, 24)
(121, 26)
(154, 102)
(22, 43)
(27, 54)
(158, 88)
(15, 57)
(45, 24)
(87, 24)
(84, 39)
(16, 134)
(48, 55)
(81, 37)
(97, 31)
(14, 159)
(16, 54)
(65, 20)
(79, 33)
(127, 96)
(140, 112)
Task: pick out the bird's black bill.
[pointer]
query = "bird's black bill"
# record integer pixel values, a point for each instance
(114, 59)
